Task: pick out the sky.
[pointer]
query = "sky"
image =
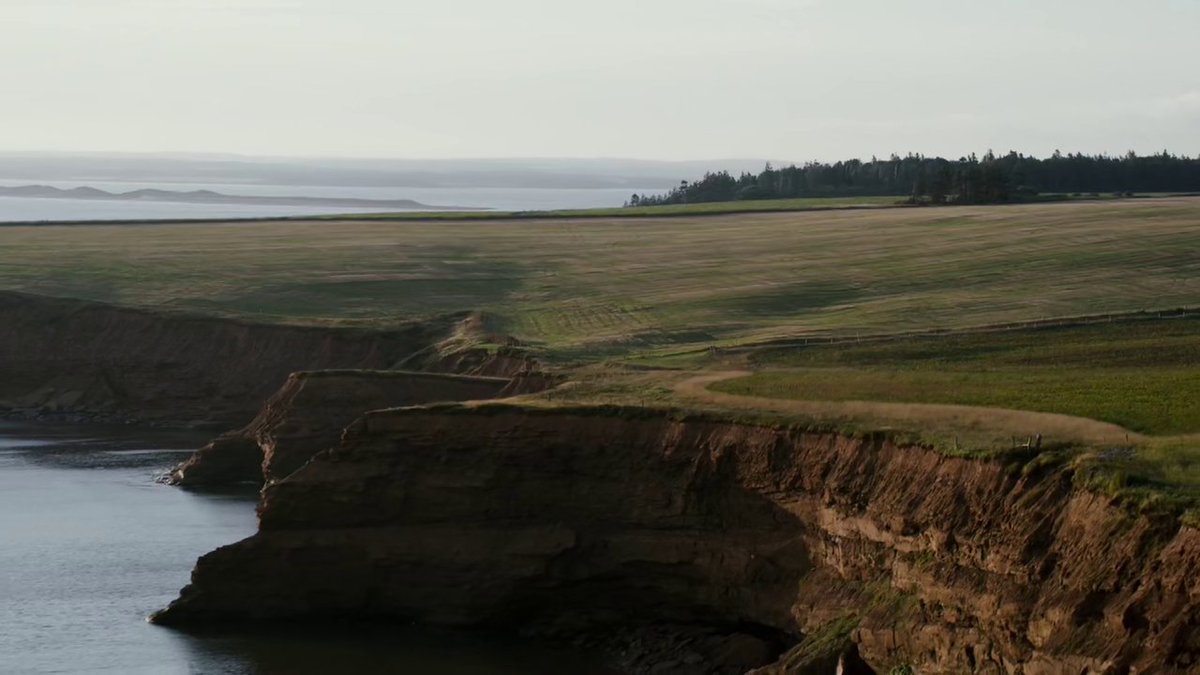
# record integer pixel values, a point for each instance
(653, 79)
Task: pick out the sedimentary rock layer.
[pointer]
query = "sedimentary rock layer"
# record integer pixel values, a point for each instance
(586, 521)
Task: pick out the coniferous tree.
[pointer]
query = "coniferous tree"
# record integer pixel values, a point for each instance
(971, 179)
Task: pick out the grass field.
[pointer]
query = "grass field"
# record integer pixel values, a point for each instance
(635, 302)
(1144, 376)
(585, 290)
(1158, 401)
(700, 209)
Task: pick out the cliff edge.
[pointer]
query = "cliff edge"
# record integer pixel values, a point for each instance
(790, 549)
(91, 360)
(98, 360)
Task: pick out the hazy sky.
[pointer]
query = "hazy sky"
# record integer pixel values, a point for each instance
(658, 79)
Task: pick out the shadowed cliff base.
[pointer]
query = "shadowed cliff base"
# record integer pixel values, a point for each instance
(585, 521)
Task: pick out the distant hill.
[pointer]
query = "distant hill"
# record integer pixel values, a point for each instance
(210, 197)
(581, 173)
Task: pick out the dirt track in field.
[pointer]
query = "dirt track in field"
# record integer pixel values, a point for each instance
(997, 421)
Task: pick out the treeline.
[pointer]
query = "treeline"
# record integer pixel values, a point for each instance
(969, 180)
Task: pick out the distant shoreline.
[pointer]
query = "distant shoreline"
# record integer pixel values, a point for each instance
(667, 212)
(211, 197)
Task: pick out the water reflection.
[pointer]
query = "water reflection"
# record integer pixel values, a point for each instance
(307, 651)
(91, 545)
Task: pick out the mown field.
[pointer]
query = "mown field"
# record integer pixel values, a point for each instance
(588, 289)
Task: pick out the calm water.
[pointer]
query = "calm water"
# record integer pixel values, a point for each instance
(90, 544)
(505, 199)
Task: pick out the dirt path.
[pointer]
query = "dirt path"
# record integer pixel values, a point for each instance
(1000, 422)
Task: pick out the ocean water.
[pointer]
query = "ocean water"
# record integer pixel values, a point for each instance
(19, 209)
(90, 545)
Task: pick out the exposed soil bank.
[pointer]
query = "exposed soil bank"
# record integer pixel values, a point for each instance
(589, 521)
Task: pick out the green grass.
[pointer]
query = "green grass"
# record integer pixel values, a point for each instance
(1152, 401)
(608, 285)
(1158, 477)
(1170, 461)
(582, 290)
(820, 648)
(1119, 344)
(1142, 375)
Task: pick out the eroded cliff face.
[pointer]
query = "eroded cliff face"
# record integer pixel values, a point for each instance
(62, 356)
(310, 411)
(586, 521)
(59, 355)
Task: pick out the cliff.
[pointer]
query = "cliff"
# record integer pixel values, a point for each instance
(722, 546)
(59, 355)
(97, 360)
(310, 411)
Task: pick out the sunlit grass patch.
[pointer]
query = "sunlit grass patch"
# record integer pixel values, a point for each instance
(1146, 400)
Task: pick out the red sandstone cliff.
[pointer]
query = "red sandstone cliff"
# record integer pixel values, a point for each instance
(589, 521)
